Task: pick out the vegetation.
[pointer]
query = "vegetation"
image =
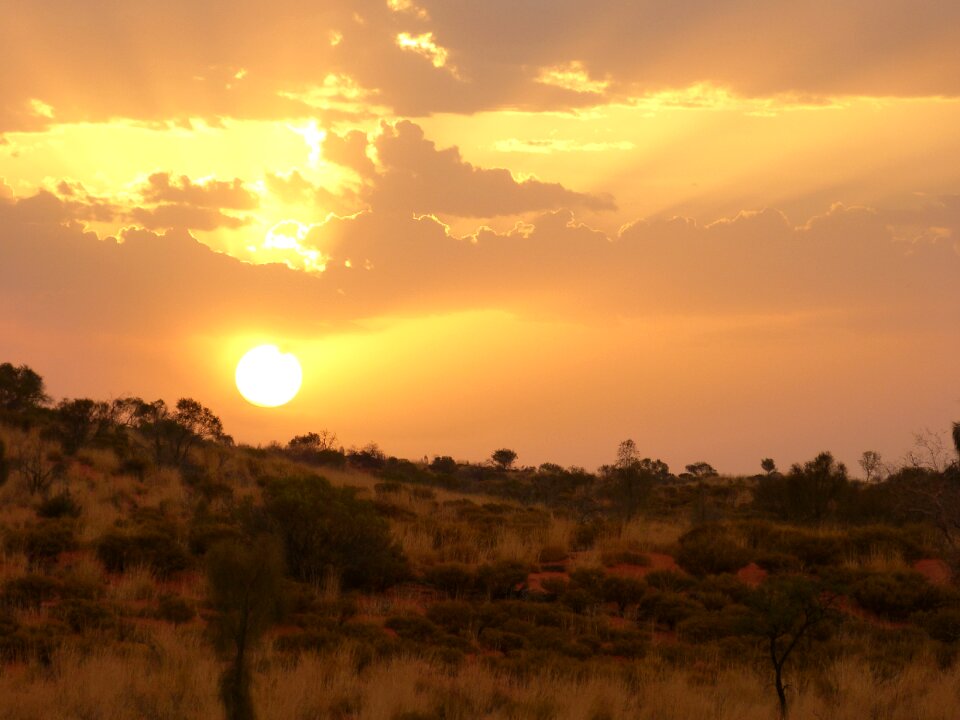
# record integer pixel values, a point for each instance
(144, 556)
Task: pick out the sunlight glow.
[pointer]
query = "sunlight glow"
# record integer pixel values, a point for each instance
(268, 378)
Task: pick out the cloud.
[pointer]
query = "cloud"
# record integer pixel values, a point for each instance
(62, 63)
(414, 176)
(845, 263)
(211, 194)
(173, 215)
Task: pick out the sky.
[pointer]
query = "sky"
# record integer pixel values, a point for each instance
(726, 230)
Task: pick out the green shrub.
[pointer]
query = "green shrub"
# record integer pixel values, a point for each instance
(325, 528)
(154, 546)
(709, 549)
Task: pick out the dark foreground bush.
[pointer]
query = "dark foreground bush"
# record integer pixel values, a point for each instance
(709, 549)
(326, 529)
(154, 546)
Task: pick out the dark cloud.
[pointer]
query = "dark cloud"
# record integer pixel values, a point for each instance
(414, 176)
(214, 194)
(187, 217)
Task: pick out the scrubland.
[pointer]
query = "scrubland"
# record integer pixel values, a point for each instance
(409, 591)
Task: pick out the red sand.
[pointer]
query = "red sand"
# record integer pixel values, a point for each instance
(751, 574)
(934, 570)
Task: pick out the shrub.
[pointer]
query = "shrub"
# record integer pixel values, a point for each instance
(44, 541)
(500, 579)
(623, 591)
(710, 549)
(84, 615)
(669, 580)
(453, 616)
(154, 546)
(325, 528)
(29, 591)
(895, 595)
(175, 609)
(61, 505)
(452, 578)
(552, 554)
(667, 608)
(942, 624)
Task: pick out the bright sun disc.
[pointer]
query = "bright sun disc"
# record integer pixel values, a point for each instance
(267, 377)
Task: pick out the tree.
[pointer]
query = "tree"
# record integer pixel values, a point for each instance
(329, 530)
(956, 439)
(872, 465)
(80, 421)
(783, 611)
(808, 493)
(627, 454)
(701, 470)
(245, 581)
(20, 388)
(314, 442)
(444, 464)
(504, 458)
(768, 465)
(630, 480)
(174, 434)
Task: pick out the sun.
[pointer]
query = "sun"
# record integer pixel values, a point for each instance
(267, 377)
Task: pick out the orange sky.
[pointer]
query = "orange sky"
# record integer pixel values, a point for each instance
(725, 230)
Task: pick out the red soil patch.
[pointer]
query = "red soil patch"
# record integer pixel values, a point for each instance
(937, 572)
(751, 574)
(658, 561)
(535, 580)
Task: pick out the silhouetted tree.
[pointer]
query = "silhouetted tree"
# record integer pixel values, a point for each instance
(504, 458)
(79, 422)
(956, 439)
(768, 465)
(20, 388)
(807, 493)
(872, 465)
(245, 581)
(314, 442)
(784, 611)
(701, 470)
(631, 480)
(174, 434)
(444, 464)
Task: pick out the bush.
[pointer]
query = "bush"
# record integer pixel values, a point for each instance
(452, 578)
(709, 549)
(154, 546)
(942, 624)
(669, 580)
(43, 542)
(453, 616)
(325, 528)
(501, 579)
(84, 615)
(623, 591)
(61, 505)
(175, 609)
(550, 554)
(895, 595)
(28, 592)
